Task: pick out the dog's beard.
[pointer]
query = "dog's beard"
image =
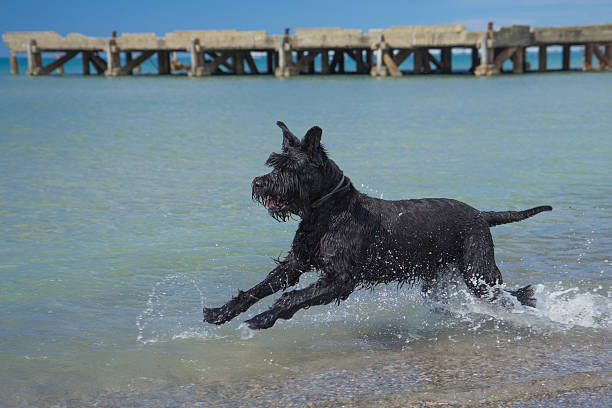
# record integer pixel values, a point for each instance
(278, 208)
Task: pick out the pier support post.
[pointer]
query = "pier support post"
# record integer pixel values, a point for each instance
(311, 64)
(605, 58)
(285, 57)
(128, 62)
(340, 54)
(299, 55)
(542, 58)
(446, 60)
(282, 57)
(113, 59)
(197, 59)
(163, 62)
(475, 59)
(85, 56)
(370, 58)
(518, 60)
(588, 58)
(378, 49)
(238, 60)
(270, 61)
(565, 65)
(420, 60)
(34, 59)
(487, 66)
(325, 62)
(14, 64)
(605, 62)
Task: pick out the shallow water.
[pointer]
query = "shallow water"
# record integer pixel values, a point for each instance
(125, 207)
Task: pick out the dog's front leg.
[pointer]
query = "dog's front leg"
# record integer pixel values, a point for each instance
(321, 292)
(286, 274)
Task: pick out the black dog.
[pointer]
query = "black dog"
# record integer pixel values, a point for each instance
(356, 240)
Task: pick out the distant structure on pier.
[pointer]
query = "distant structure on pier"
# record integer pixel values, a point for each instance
(379, 52)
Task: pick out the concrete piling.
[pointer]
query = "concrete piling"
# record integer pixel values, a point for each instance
(542, 58)
(446, 60)
(113, 59)
(270, 62)
(518, 61)
(34, 59)
(325, 62)
(196, 68)
(163, 62)
(588, 58)
(565, 62)
(86, 56)
(14, 64)
(487, 66)
(128, 62)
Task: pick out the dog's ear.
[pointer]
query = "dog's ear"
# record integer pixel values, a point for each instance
(311, 143)
(289, 139)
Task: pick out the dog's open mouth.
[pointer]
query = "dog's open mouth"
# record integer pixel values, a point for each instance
(278, 208)
(275, 204)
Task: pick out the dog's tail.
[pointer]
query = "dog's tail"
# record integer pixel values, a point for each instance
(504, 217)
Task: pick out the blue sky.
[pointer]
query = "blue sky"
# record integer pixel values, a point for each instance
(100, 18)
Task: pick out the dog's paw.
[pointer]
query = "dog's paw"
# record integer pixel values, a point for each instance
(216, 315)
(261, 321)
(525, 295)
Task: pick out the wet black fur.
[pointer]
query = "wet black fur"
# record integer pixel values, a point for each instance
(356, 240)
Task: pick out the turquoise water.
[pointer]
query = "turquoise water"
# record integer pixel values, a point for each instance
(125, 207)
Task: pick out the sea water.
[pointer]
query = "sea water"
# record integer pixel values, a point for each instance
(125, 207)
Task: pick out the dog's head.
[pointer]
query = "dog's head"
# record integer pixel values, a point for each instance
(300, 175)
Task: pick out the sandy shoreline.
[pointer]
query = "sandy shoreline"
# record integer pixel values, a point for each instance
(579, 389)
(537, 371)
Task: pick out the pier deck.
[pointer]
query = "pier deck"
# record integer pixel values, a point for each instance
(379, 52)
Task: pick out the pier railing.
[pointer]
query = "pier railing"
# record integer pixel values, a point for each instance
(379, 52)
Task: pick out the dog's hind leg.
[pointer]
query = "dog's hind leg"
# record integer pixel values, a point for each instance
(286, 274)
(478, 263)
(481, 273)
(322, 292)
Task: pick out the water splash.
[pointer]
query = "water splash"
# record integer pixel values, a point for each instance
(173, 311)
(573, 307)
(174, 304)
(245, 332)
(557, 308)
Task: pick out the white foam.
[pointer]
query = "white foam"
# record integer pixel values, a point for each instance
(573, 306)
(556, 308)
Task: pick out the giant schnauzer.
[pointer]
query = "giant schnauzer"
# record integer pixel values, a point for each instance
(359, 241)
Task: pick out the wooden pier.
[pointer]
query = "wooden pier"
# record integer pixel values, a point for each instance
(379, 52)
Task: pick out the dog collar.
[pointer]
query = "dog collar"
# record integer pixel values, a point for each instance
(339, 188)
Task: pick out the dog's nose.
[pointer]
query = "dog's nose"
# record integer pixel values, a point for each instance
(257, 183)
